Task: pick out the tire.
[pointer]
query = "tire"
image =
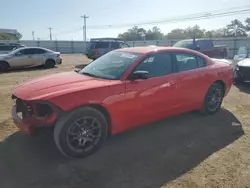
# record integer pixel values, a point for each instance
(71, 131)
(213, 99)
(4, 67)
(50, 63)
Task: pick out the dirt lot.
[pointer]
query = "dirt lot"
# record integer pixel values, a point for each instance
(189, 150)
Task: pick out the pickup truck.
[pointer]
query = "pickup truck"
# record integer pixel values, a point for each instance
(204, 46)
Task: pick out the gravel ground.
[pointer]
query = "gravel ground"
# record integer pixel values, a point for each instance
(188, 150)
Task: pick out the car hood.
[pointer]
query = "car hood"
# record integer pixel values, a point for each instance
(57, 84)
(244, 63)
(2, 56)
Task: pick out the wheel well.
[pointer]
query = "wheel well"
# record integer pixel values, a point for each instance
(50, 60)
(105, 112)
(222, 83)
(5, 63)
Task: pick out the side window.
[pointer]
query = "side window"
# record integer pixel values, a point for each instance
(20, 52)
(186, 62)
(157, 64)
(102, 45)
(205, 44)
(40, 51)
(124, 45)
(115, 45)
(201, 62)
(29, 51)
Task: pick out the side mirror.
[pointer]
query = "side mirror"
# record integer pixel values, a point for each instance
(139, 75)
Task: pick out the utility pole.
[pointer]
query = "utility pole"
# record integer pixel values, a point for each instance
(84, 29)
(50, 35)
(33, 35)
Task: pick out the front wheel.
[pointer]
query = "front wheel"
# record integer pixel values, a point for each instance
(213, 99)
(81, 132)
(4, 67)
(50, 63)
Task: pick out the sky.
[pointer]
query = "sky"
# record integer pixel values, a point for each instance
(64, 16)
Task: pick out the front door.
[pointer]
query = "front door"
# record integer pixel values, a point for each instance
(152, 98)
(22, 58)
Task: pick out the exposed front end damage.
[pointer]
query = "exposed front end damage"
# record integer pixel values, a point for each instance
(30, 115)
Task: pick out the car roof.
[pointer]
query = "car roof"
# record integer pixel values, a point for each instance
(149, 49)
(34, 48)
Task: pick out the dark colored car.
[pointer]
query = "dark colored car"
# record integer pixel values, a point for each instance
(101, 46)
(242, 71)
(6, 48)
(204, 46)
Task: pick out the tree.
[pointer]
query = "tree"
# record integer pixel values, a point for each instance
(247, 21)
(177, 34)
(7, 36)
(236, 29)
(136, 33)
(154, 34)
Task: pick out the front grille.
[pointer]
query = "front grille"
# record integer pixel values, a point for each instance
(245, 71)
(22, 107)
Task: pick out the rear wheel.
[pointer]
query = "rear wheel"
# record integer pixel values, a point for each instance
(4, 67)
(213, 99)
(50, 63)
(81, 132)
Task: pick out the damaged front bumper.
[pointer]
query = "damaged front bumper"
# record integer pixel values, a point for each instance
(28, 117)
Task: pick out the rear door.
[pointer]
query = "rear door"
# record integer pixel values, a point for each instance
(192, 79)
(39, 56)
(102, 48)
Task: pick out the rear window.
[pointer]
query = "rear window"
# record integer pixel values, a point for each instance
(184, 44)
(205, 44)
(99, 45)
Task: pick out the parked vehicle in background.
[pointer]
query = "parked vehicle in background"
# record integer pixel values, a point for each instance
(122, 89)
(242, 54)
(29, 57)
(7, 48)
(242, 71)
(204, 46)
(100, 46)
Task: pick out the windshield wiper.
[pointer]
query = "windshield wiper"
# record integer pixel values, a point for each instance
(88, 74)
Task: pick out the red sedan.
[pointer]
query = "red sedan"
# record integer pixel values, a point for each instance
(123, 89)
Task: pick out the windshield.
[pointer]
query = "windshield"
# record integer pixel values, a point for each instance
(14, 51)
(111, 65)
(184, 44)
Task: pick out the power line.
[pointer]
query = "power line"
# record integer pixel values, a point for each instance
(197, 16)
(204, 15)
